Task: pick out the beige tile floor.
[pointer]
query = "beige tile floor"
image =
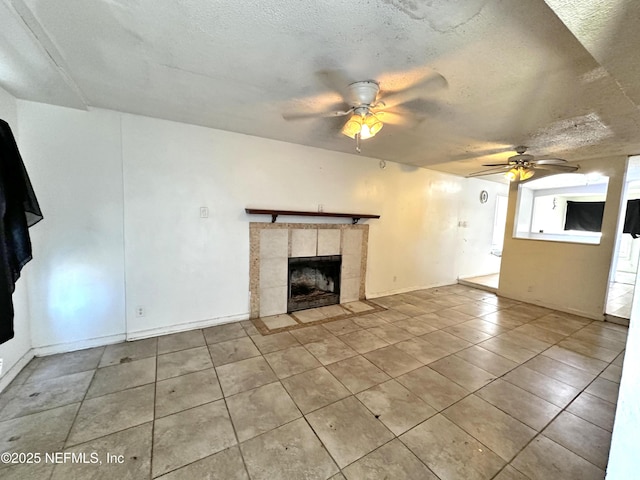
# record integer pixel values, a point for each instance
(448, 383)
(619, 299)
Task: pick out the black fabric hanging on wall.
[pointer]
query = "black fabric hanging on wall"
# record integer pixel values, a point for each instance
(632, 218)
(585, 216)
(19, 210)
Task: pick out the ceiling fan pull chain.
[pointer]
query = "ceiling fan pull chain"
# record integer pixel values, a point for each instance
(358, 142)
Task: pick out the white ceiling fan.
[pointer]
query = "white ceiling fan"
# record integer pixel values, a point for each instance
(523, 166)
(368, 109)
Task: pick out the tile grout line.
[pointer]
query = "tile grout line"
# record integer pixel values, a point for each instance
(153, 424)
(226, 405)
(208, 403)
(154, 417)
(75, 417)
(324, 447)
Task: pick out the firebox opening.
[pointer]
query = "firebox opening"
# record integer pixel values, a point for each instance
(313, 282)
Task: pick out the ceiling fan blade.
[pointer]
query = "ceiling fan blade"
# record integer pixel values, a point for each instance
(550, 161)
(556, 168)
(335, 80)
(403, 112)
(497, 164)
(433, 82)
(399, 116)
(418, 107)
(470, 153)
(304, 116)
(491, 171)
(393, 118)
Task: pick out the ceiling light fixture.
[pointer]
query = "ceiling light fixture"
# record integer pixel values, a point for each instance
(519, 173)
(362, 125)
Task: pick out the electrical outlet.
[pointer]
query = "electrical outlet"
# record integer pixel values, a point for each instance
(204, 212)
(140, 311)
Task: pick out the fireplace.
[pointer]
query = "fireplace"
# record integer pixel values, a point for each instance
(272, 245)
(313, 282)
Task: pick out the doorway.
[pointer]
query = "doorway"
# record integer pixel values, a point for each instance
(490, 281)
(624, 268)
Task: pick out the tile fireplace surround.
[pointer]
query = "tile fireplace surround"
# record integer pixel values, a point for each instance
(272, 244)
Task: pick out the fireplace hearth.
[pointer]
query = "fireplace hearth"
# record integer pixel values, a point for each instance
(313, 282)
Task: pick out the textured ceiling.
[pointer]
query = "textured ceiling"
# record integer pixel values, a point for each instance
(559, 76)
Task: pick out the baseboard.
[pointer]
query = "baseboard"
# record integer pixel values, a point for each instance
(560, 308)
(152, 332)
(79, 345)
(617, 320)
(183, 327)
(370, 295)
(15, 369)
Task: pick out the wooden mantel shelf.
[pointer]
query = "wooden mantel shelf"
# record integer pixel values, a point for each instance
(355, 217)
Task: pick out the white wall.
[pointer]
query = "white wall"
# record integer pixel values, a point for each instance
(182, 268)
(15, 352)
(571, 277)
(122, 194)
(76, 285)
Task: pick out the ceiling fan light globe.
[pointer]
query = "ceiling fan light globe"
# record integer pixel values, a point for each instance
(525, 174)
(373, 124)
(353, 126)
(512, 175)
(365, 132)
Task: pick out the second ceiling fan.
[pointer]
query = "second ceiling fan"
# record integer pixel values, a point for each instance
(523, 166)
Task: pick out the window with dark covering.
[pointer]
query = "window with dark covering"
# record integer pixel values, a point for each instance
(587, 216)
(562, 208)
